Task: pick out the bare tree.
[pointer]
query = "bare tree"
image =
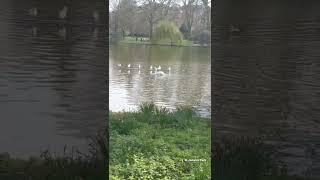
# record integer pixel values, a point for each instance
(189, 7)
(155, 10)
(127, 12)
(123, 14)
(139, 17)
(207, 14)
(114, 8)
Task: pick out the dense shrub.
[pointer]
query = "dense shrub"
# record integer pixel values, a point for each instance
(184, 30)
(202, 37)
(115, 37)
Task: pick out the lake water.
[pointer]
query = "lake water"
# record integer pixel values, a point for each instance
(187, 83)
(266, 78)
(52, 81)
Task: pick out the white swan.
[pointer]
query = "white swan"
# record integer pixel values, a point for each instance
(33, 12)
(234, 28)
(151, 67)
(95, 16)
(129, 65)
(34, 31)
(159, 67)
(62, 32)
(139, 66)
(169, 68)
(160, 73)
(63, 12)
(119, 65)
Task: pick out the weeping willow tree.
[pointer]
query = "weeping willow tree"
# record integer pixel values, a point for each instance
(167, 30)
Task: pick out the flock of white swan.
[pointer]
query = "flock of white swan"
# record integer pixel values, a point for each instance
(154, 69)
(63, 13)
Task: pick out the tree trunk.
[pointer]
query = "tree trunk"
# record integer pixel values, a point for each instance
(116, 23)
(150, 31)
(189, 27)
(208, 14)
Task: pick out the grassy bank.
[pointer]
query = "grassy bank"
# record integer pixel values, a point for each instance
(154, 143)
(164, 42)
(72, 165)
(244, 158)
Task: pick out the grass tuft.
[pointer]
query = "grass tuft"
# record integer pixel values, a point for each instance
(72, 165)
(154, 142)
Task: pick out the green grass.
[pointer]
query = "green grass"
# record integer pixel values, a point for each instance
(167, 42)
(72, 165)
(153, 143)
(132, 40)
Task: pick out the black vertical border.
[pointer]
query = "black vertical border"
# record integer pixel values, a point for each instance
(213, 6)
(107, 88)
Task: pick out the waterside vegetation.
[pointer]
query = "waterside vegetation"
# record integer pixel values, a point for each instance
(72, 165)
(155, 143)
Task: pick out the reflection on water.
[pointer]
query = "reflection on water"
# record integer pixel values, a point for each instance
(266, 80)
(52, 81)
(186, 83)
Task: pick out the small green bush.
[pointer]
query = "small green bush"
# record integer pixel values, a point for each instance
(202, 37)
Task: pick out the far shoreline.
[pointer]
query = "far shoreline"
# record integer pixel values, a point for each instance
(185, 43)
(174, 45)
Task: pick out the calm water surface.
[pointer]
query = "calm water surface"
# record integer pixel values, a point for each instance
(187, 83)
(266, 79)
(52, 81)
